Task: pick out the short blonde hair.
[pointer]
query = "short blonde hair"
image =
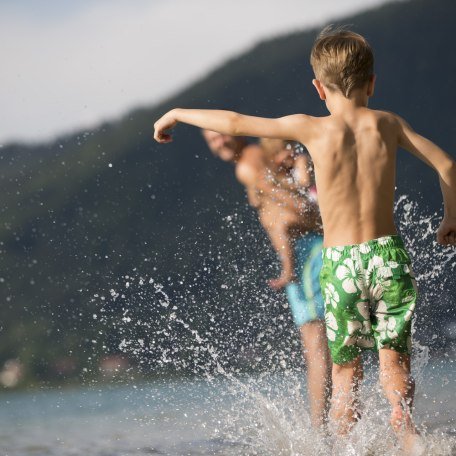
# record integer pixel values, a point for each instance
(342, 60)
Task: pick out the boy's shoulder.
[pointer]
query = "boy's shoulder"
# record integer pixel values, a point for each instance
(368, 113)
(252, 155)
(383, 115)
(373, 118)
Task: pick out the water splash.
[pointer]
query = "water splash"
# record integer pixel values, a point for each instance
(191, 332)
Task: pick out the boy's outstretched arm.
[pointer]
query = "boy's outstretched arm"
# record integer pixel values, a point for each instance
(232, 123)
(445, 166)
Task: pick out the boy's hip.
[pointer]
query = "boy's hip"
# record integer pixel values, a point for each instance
(370, 293)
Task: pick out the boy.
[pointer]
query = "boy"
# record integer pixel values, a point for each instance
(366, 275)
(295, 233)
(290, 220)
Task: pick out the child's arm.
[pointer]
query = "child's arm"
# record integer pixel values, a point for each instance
(283, 245)
(445, 166)
(286, 198)
(303, 174)
(232, 123)
(247, 175)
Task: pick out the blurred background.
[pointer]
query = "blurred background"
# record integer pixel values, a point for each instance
(123, 260)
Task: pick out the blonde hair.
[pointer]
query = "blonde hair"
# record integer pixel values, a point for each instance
(342, 60)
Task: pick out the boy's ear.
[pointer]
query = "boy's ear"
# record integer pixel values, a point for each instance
(371, 85)
(320, 89)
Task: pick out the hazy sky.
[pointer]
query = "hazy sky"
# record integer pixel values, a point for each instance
(69, 64)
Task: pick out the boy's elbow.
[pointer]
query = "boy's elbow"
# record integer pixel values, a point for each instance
(448, 168)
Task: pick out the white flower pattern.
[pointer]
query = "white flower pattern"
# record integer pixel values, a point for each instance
(331, 295)
(363, 309)
(334, 253)
(349, 274)
(384, 303)
(386, 329)
(359, 334)
(408, 315)
(331, 326)
(364, 248)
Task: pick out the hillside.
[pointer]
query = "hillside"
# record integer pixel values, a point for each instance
(82, 212)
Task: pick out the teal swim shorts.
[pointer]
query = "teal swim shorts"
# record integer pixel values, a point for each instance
(304, 296)
(370, 295)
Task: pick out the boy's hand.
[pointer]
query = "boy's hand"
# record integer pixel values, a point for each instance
(446, 234)
(166, 122)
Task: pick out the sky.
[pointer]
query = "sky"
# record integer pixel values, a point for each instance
(69, 65)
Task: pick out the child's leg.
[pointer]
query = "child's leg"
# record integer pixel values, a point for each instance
(346, 379)
(318, 361)
(399, 388)
(398, 385)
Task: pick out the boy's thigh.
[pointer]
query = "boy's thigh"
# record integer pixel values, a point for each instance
(394, 308)
(348, 324)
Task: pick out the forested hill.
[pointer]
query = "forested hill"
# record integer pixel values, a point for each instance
(89, 208)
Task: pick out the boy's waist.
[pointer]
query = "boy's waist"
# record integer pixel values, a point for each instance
(393, 240)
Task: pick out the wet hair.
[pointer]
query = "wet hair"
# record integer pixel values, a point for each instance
(342, 60)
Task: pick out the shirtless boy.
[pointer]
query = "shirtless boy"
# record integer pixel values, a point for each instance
(366, 276)
(292, 222)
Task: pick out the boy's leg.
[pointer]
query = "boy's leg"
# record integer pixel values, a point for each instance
(399, 388)
(346, 379)
(316, 354)
(318, 361)
(348, 332)
(313, 331)
(394, 306)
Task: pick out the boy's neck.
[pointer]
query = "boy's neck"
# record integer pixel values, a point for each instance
(337, 103)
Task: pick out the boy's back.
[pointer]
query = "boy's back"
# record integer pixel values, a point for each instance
(354, 155)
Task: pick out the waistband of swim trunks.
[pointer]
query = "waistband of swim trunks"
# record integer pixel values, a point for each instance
(374, 244)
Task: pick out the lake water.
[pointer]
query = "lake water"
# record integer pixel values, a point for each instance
(260, 415)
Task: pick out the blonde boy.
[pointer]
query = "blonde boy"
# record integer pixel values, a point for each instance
(366, 275)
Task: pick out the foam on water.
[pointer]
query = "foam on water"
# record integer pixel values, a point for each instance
(268, 411)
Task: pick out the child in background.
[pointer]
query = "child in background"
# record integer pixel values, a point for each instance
(275, 179)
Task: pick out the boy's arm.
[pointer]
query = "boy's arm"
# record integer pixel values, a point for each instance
(232, 123)
(247, 175)
(289, 198)
(303, 174)
(283, 245)
(445, 166)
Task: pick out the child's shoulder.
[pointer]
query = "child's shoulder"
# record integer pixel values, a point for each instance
(252, 154)
(383, 116)
(250, 164)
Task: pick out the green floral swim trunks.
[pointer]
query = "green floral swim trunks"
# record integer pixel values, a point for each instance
(370, 294)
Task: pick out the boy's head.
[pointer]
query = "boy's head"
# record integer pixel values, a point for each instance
(226, 147)
(342, 60)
